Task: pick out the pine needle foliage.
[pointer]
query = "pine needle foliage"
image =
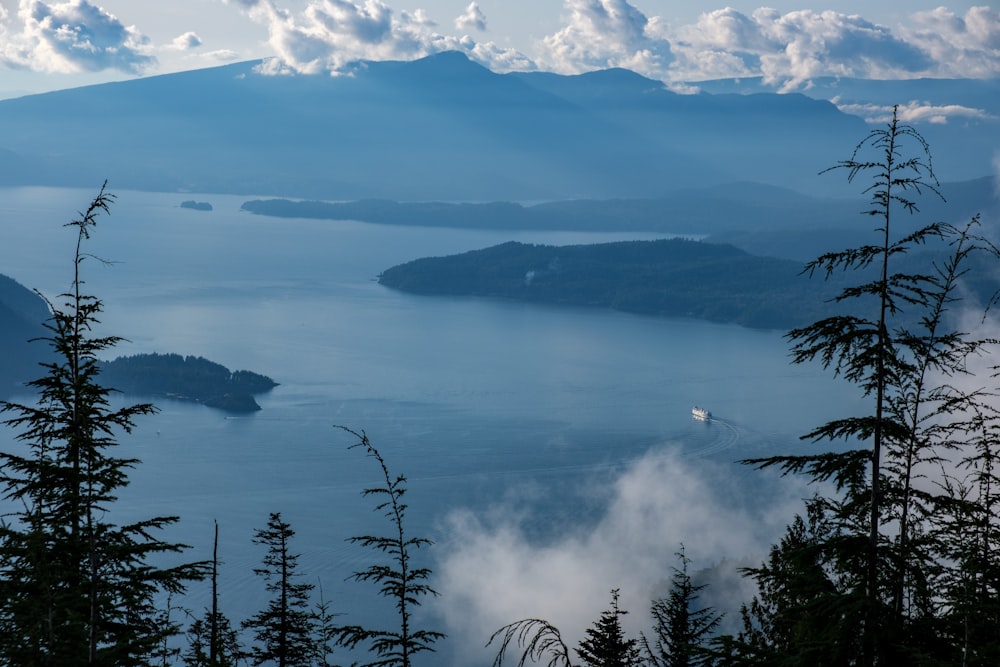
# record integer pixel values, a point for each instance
(539, 640)
(682, 630)
(284, 630)
(76, 588)
(881, 548)
(397, 578)
(605, 643)
(212, 639)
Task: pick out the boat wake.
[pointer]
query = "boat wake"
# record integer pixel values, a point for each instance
(725, 436)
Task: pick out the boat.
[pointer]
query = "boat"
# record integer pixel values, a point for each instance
(701, 414)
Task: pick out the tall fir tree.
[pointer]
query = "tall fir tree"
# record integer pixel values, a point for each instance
(682, 629)
(284, 631)
(398, 579)
(877, 552)
(76, 588)
(212, 639)
(605, 644)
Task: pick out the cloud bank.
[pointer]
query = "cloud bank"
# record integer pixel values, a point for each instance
(787, 49)
(606, 33)
(73, 36)
(493, 574)
(912, 112)
(329, 34)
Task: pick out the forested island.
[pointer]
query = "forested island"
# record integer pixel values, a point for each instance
(196, 205)
(668, 277)
(187, 379)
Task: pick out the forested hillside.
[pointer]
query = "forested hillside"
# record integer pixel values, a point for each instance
(674, 277)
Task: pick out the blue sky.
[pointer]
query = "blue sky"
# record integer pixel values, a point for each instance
(52, 44)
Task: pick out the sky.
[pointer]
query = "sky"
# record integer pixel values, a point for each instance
(50, 45)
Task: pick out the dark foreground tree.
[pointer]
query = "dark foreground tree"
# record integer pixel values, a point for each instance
(538, 640)
(864, 579)
(76, 588)
(212, 644)
(212, 639)
(605, 644)
(683, 630)
(397, 577)
(284, 631)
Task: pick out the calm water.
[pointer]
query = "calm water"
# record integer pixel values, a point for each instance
(477, 402)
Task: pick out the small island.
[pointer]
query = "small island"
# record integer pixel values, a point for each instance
(192, 379)
(196, 205)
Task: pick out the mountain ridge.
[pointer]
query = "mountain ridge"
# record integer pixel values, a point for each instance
(437, 128)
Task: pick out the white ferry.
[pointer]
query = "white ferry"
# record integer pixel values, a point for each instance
(701, 414)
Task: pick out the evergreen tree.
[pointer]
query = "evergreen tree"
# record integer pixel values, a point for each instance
(76, 588)
(682, 629)
(538, 638)
(877, 555)
(327, 631)
(398, 579)
(212, 640)
(284, 630)
(212, 647)
(796, 618)
(605, 644)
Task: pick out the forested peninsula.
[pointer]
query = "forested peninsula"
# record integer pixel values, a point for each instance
(742, 206)
(667, 277)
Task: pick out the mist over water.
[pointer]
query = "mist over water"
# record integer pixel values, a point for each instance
(542, 445)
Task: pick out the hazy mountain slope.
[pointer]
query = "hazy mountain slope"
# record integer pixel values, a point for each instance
(757, 137)
(963, 141)
(437, 128)
(21, 315)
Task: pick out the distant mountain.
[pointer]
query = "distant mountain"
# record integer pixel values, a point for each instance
(963, 144)
(761, 219)
(439, 128)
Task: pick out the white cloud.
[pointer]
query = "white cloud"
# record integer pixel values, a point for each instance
(912, 112)
(185, 42)
(960, 46)
(329, 34)
(75, 36)
(606, 33)
(222, 55)
(790, 49)
(472, 19)
(492, 574)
